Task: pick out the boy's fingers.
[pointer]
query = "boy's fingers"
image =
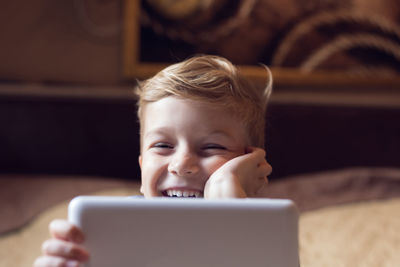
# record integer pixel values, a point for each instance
(50, 261)
(64, 230)
(262, 179)
(256, 150)
(60, 248)
(265, 169)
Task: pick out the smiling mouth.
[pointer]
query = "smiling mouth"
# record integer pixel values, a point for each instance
(182, 193)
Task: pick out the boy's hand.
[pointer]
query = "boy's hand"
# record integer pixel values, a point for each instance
(240, 177)
(64, 249)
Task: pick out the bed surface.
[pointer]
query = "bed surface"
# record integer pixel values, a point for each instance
(349, 217)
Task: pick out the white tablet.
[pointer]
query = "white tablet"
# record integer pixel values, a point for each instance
(171, 232)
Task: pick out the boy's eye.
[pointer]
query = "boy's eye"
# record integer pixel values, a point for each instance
(214, 146)
(162, 145)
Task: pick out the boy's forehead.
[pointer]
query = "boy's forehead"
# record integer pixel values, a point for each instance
(172, 104)
(173, 112)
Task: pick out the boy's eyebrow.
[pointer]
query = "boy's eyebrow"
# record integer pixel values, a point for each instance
(157, 131)
(167, 130)
(221, 133)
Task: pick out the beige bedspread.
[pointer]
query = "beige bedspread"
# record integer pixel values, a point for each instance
(358, 234)
(361, 234)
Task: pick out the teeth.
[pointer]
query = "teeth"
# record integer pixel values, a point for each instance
(182, 193)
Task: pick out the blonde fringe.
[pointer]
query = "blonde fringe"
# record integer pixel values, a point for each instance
(268, 89)
(207, 78)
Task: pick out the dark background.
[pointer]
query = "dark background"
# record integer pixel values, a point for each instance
(66, 108)
(101, 137)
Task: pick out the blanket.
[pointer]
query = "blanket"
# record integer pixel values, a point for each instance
(347, 218)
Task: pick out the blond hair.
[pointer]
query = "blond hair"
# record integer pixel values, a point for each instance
(213, 80)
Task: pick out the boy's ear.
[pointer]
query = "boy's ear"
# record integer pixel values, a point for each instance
(142, 189)
(140, 164)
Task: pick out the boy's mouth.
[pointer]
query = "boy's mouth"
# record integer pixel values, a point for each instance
(182, 193)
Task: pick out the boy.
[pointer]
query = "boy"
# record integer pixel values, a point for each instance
(202, 129)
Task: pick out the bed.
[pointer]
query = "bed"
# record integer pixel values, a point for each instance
(348, 217)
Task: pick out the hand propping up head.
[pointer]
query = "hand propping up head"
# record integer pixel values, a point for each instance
(240, 177)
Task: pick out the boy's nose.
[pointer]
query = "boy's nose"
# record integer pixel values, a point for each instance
(184, 165)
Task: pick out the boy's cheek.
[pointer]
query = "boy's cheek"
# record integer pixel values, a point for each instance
(217, 164)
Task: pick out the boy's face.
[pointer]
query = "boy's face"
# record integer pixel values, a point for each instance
(183, 143)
